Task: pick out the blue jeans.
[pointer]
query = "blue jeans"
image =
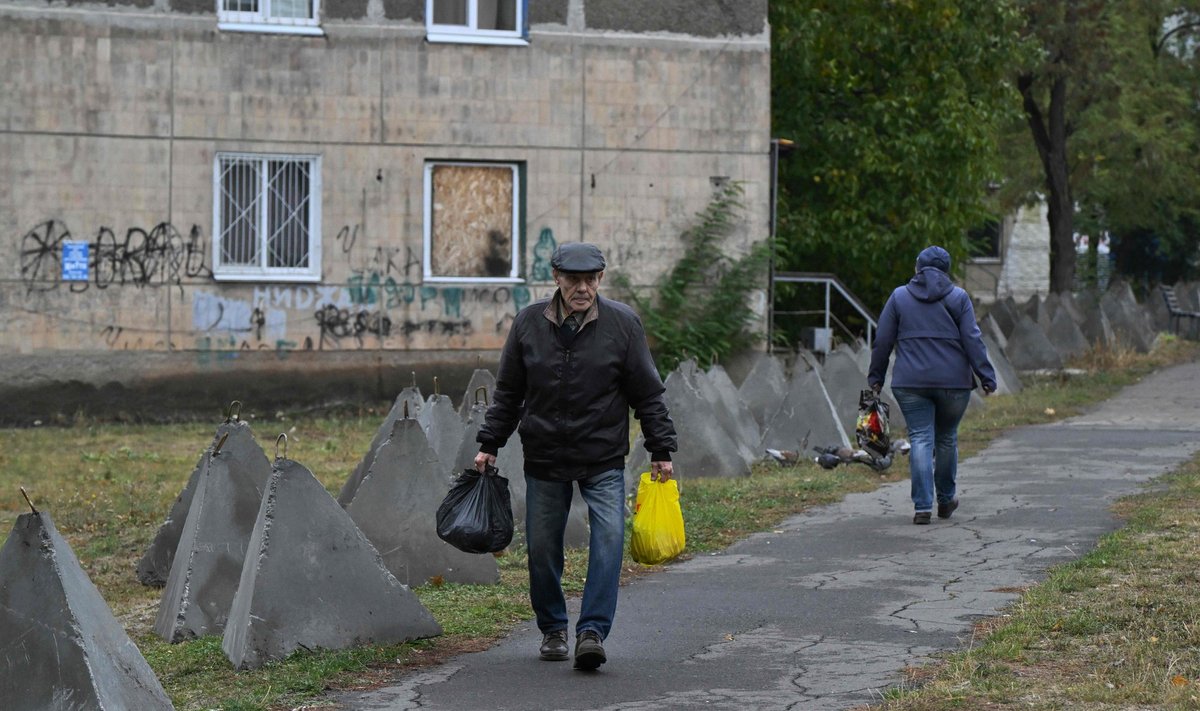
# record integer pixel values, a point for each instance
(932, 415)
(547, 504)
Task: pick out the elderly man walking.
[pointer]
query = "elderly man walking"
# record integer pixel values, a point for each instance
(571, 369)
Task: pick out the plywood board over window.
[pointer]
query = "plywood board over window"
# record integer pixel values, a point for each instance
(471, 222)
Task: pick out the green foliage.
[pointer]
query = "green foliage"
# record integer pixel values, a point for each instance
(893, 108)
(701, 309)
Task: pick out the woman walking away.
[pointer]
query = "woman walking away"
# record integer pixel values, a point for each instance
(939, 353)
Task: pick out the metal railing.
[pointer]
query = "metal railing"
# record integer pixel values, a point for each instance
(831, 283)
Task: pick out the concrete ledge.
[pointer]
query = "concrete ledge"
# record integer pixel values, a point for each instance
(141, 386)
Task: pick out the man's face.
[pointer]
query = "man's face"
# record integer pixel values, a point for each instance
(578, 289)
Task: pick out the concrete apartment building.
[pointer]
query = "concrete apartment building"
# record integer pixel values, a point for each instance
(311, 199)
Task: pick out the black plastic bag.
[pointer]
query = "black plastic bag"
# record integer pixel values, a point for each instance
(476, 515)
(871, 428)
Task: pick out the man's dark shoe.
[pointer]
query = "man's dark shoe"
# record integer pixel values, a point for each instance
(921, 518)
(589, 651)
(554, 646)
(947, 508)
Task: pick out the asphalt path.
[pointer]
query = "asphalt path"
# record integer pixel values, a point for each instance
(825, 611)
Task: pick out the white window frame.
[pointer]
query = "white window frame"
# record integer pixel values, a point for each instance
(515, 265)
(470, 32)
(262, 21)
(262, 272)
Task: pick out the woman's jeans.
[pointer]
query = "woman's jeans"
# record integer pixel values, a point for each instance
(547, 504)
(932, 415)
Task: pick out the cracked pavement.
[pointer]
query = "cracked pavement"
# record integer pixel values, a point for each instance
(825, 610)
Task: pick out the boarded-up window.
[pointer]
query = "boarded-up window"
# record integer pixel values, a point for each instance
(471, 221)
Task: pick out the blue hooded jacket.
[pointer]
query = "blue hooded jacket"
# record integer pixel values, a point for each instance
(931, 324)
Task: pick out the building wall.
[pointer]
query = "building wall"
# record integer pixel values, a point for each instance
(1023, 268)
(1026, 268)
(110, 117)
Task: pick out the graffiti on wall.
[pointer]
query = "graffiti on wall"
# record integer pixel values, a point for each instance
(137, 257)
(542, 252)
(377, 306)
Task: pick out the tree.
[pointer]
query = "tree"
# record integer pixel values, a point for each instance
(894, 108)
(1109, 106)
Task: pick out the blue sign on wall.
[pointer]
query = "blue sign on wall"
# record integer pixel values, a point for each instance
(74, 261)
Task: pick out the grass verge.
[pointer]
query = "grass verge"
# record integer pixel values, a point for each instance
(1118, 628)
(108, 487)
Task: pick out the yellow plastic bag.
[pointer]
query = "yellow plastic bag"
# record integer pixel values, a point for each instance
(657, 522)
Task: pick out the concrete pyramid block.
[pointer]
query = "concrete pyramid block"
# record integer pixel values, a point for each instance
(1035, 308)
(311, 580)
(1066, 335)
(1005, 315)
(1050, 306)
(407, 404)
(511, 463)
(763, 389)
(638, 460)
(844, 381)
(720, 396)
(396, 508)
(481, 378)
(208, 563)
(62, 647)
(989, 327)
(1097, 329)
(731, 402)
(468, 447)
(1067, 300)
(806, 418)
(705, 447)
(443, 427)
(1030, 349)
(1156, 306)
(1007, 380)
(245, 457)
(1128, 320)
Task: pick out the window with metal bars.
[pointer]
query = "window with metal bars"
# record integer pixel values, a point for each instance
(266, 217)
(281, 16)
(472, 222)
(476, 21)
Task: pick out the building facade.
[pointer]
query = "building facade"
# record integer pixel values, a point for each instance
(253, 198)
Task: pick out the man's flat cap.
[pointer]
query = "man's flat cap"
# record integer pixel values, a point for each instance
(577, 257)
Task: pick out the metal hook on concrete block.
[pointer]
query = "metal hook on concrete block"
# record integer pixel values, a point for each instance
(437, 389)
(230, 414)
(31, 506)
(414, 379)
(281, 438)
(406, 409)
(482, 388)
(221, 443)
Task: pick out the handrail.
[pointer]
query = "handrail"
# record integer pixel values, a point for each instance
(829, 280)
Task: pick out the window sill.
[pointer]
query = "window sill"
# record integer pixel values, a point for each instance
(472, 280)
(270, 28)
(470, 38)
(266, 276)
